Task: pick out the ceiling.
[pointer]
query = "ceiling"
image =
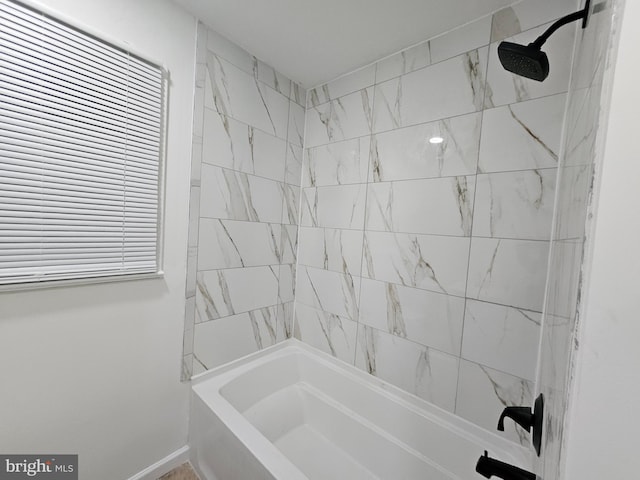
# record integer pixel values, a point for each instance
(313, 41)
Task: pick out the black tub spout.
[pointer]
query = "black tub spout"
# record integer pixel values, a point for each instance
(489, 467)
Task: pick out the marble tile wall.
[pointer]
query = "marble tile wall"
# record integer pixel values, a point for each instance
(578, 172)
(425, 264)
(245, 191)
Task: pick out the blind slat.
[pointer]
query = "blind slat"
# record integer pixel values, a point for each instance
(81, 125)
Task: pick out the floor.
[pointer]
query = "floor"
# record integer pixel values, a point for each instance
(183, 472)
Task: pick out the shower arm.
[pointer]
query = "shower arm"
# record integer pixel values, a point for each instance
(580, 15)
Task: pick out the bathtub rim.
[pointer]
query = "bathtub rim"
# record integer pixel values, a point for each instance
(216, 378)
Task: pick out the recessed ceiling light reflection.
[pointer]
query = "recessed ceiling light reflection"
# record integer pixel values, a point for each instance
(436, 140)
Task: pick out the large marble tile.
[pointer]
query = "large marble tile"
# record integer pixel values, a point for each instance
(293, 169)
(522, 136)
(335, 207)
(407, 153)
(331, 249)
(229, 244)
(286, 283)
(285, 321)
(349, 83)
(464, 39)
(341, 119)
(428, 262)
(483, 393)
(406, 61)
(504, 87)
(227, 292)
(449, 88)
(440, 206)
(503, 338)
(508, 272)
(224, 48)
(515, 204)
(427, 318)
(528, 14)
(220, 341)
(290, 204)
(337, 163)
(271, 77)
(239, 95)
(234, 145)
(298, 94)
(296, 124)
(232, 195)
(289, 243)
(325, 331)
(427, 373)
(331, 292)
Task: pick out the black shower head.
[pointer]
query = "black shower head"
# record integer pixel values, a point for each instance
(531, 61)
(528, 61)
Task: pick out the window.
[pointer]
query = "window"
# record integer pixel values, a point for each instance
(81, 142)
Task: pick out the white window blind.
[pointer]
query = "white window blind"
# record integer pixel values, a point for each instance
(81, 127)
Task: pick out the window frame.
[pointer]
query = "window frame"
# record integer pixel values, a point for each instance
(126, 47)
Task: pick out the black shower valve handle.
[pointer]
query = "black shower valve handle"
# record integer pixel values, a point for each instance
(527, 419)
(523, 416)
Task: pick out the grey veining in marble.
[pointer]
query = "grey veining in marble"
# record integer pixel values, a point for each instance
(352, 82)
(234, 145)
(408, 153)
(227, 244)
(331, 249)
(408, 206)
(504, 87)
(239, 95)
(449, 88)
(336, 207)
(428, 262)
(428, 318)
(347, 117)
(329, 332)
(332, 292)
(425, 372)
(293, 168)
(290, 204)
(406, 61)
(508, 272)
(515, 204)
(523, 135)
(227, 292)
(251, 331)
(483, 393)
(233, 195)
(500, 337)
(337, 163)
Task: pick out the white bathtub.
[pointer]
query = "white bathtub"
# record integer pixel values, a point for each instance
(291, 412)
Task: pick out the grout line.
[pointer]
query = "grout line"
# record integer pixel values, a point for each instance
(364, 215)
(363, 278)
(428, 122)
(473, 218)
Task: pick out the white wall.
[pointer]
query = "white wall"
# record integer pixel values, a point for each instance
(95, 370)
(604, 417)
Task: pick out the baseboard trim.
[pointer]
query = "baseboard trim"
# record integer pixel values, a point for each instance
(168, 463)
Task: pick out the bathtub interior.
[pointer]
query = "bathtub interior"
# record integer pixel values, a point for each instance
(332, 421)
